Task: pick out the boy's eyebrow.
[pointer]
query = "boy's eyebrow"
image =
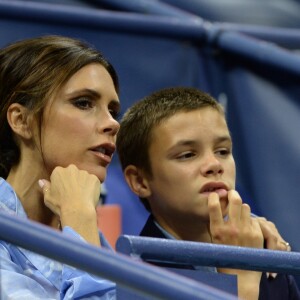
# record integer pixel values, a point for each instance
(182, 143)
(225, 138)
(219, 139)
(185, 143)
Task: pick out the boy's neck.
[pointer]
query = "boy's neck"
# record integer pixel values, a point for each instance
(186, 232)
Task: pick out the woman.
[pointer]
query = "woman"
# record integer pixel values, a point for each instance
(58, 108)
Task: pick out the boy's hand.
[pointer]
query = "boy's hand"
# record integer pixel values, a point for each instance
(239, 228)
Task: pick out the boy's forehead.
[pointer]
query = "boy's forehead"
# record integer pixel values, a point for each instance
(190, 123)
(191, 115)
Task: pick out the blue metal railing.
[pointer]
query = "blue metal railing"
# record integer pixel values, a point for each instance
(148, 7)
(204, 254)
(167, 26)
(260, 51)
(183, 9)
(193, 29)
(142, 278)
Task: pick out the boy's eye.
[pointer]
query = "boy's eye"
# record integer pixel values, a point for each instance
(83, 103)
(185, 155)
(223, 152)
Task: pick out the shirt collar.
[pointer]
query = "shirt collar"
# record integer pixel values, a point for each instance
(9, 201)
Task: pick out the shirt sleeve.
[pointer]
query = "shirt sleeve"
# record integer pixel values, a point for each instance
(77, 284)
(19, 279)
(16, 284)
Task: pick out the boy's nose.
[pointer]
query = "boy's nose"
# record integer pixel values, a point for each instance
(212, 166)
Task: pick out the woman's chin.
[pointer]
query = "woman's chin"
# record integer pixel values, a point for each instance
(99, 172)
(101, 177)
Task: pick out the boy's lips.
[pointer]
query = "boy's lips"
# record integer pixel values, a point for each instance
(217, 187)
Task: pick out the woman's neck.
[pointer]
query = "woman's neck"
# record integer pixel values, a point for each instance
(24, 180)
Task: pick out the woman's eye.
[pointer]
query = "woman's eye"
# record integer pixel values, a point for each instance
(115, 113)
(114, 109)
(83, 103)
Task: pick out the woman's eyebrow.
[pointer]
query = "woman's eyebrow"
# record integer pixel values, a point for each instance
(86, 91)
(93, 93)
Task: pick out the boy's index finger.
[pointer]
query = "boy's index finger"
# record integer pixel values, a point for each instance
(234, 206)
(214, 210)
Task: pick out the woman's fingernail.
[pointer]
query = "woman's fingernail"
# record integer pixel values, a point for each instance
(41, 183)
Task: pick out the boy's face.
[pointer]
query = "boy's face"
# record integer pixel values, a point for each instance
(190, 155)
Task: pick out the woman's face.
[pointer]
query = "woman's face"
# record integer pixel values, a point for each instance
(79, 125)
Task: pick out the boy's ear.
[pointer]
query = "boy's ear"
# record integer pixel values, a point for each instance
(137, 181)
(19, 120)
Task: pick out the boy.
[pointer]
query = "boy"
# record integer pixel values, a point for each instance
(176, 153)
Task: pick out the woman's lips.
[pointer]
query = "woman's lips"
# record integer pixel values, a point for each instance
(104, 152)
(102, 156)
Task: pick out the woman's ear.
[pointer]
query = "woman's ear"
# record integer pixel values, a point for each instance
(137, 181)
(19, 120)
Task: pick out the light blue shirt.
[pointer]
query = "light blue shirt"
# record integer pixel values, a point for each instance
(26, 275)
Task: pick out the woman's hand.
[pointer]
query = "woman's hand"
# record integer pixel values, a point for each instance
(273, 239)
(73, 194)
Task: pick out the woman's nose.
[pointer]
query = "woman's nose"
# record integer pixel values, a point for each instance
(107, 124)
(112, 127)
